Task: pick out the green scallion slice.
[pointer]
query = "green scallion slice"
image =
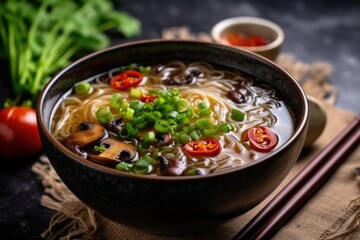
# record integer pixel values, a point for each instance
(162, 126)
(183, 105)
(82, 88)
(237, 115)
(123, 166)
(116, 100)
(141, 166)
(184, 138)
(226, 127)
(135, 93)
(149, 159)
(202, 123)
(194, 135)
(149, 137)
(103, 115)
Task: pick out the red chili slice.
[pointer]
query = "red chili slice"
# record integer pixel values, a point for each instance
(126, 80)
(262, 138)
(148, 98)
(203, 147)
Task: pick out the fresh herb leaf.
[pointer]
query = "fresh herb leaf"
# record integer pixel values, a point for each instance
(40, 37)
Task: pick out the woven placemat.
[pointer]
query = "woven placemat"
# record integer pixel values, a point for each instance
(333, 213)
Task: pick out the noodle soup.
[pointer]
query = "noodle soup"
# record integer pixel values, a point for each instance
(172, 119)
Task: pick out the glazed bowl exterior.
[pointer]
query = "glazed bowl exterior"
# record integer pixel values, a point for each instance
(172, 205)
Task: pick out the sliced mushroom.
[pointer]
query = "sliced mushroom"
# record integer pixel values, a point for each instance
(163, 139)
(163, 163)
(114, 127)
(239, 95)
(116, 151)
(170, 167)
(173, 171)
(89, 134)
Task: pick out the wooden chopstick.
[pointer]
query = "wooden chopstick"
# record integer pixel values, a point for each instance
(303, 185)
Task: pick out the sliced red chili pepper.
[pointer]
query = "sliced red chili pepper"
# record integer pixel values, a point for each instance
(126, 80)
(148, 98)
(203, 147)
(262, 138)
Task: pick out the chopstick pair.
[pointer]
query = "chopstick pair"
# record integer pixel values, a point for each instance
(302, 186)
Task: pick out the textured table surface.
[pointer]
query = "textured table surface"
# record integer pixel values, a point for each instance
(315, 31)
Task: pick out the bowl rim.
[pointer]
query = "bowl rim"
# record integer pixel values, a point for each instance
(219, 27)
(98, 167)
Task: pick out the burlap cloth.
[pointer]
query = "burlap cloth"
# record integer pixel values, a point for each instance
(332, 213)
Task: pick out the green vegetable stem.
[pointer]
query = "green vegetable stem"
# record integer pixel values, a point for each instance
(39, 38)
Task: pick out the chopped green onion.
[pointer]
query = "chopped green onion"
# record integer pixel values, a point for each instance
(202, 105)
(149, 137)
(135, 93)
(202, 123)
(175, 91)
(159, 101)
(141, 125)
(153, 92)
(211, 131)
(124, 105)
(99, 148)
(184, 138)
(148, 107)
(136, 105)
(206, 112)
(116, 100)
(173, 126)
(168, 108)
(156, 154)
(128, 131)
(194, 135)
(144, 70)
(156, 115)
(103, 115)
(237, 115)
(192, 172)
(132, 66)
(82, 88)
(173, 114)
(131, 130)
(187, 128)
(141, 166)
(226, 127)
(129, 114)
(162, 126)
(123, 166)
(149, 159)
(183, 105)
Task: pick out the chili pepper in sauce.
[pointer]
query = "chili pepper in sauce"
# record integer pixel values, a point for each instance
(239, 39)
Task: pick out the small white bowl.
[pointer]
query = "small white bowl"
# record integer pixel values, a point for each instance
(250, 26)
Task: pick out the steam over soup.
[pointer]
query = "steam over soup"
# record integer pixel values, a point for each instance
(172, 119)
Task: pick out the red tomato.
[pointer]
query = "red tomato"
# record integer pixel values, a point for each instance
(262, 139)
(148, 98)
(19, 132)
(126, 80)
(203, 147)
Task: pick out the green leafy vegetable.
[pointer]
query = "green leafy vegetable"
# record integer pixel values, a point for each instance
(40, 37)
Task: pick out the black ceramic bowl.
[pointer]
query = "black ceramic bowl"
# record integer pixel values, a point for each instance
(172, 205)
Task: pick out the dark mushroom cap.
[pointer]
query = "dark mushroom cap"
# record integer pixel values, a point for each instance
(89, 134)
(116, 151)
